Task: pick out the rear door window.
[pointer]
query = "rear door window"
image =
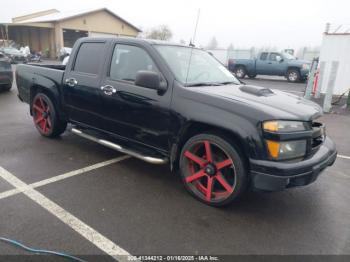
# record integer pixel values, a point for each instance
(90, 58)
(263, 56)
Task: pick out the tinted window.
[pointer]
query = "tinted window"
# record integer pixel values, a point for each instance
(263, 56)
(89, 58)
(128, 60)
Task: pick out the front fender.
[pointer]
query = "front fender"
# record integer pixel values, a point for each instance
(191, 108)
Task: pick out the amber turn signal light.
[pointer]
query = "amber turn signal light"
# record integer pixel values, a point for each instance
(274, 148)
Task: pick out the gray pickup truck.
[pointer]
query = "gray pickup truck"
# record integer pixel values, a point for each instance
(271, 63)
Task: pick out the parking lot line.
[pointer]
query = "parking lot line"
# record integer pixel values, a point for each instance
(73, 222)
(78, 171)
(9, 193)
(63, 176)
(345, 157)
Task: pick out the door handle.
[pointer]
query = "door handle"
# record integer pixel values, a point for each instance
(71, 82)
(108, 90)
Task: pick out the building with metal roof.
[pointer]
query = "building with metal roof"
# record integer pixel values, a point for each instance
(334, 61)
(50, 30)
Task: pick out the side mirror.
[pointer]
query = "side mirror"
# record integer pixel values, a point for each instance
(279, 59)
(149, 79)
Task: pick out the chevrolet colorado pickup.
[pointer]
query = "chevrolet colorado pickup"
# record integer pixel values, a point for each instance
(271, 63)
(167, 103)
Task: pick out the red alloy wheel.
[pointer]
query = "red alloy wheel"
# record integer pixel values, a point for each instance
(42, 115)
(212, 175)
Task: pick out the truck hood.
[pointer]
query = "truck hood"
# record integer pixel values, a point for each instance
(298, 62)
(274, 103)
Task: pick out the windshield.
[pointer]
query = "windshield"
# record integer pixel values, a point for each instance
(288, 56)
(198, 68)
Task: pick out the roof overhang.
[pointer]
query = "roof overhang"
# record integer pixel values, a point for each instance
(39, 25)
(106, 10)
(49, 19)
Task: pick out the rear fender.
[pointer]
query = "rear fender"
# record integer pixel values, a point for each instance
(49, 87)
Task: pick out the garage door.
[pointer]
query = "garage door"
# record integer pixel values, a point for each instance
(96, 34)
(70, 36)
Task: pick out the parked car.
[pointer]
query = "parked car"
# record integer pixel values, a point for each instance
(6, 75)
(166, 103)
(271, 63)
(65, 60)
(34, 57)
(64, 52)
(14, 54)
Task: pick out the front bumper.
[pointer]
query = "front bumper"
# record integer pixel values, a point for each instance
(304, 73)
(276, 176)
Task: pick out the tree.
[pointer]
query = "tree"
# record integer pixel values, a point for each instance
(230, 47)
(162, 32)
(213, 43)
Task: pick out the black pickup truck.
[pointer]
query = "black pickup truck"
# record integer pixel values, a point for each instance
(167, 103)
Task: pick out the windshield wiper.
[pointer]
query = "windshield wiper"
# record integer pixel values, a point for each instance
(204, 84)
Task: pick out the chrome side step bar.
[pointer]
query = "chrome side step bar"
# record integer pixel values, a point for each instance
(152, 160)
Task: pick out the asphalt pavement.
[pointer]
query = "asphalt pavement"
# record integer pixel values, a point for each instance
(64, 194)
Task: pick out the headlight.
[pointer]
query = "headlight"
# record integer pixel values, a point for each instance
(286, 150)
(284, 126)
(306, 66)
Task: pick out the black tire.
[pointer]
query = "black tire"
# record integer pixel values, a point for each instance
(45, 116)
(252, 76)
(293, 76)
(240, 72)
(223, 171)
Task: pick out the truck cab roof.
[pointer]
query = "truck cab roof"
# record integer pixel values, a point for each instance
(133, 40)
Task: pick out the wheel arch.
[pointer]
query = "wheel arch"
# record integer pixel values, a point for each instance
(292, 68)
(51, 92)
(193, 128)
(240, 65)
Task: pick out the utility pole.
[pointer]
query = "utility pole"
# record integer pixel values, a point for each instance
(7, 32)
(328, 26)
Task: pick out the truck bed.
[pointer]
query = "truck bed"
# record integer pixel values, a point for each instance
(52, 66)
(29, 75)
(250, 64)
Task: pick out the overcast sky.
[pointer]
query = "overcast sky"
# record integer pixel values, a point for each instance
(244, 23)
